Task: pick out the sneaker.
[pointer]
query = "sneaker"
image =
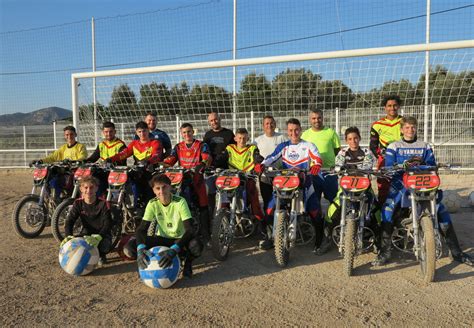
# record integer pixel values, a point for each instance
(381, 259)
(188, 269)
(266, 244)
(464, 258)
(324, 247)
(102, 261)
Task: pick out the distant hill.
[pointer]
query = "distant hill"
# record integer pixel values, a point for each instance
(38, 117)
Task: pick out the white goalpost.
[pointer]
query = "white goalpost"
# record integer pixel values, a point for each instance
(348, 85)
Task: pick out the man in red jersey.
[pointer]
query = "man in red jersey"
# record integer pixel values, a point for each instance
(144, 151)
(192, 153)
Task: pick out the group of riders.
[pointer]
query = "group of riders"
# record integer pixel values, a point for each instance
(393, 140)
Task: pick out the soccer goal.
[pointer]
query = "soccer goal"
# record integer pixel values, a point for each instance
(347, 85)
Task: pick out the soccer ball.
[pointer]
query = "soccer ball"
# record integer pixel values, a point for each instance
(156, 277)
(471, 198)
(77, 257)
(452, 201)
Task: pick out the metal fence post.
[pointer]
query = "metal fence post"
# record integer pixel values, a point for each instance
(337, 121)
(433, 123)
(122, 130)
(54, 135)
(177, 129)
(252, 126)
(24, 145)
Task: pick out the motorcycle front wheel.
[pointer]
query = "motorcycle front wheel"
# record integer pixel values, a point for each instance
(282, 243)
(221, 236)
(427, 249)
(349, 245)
(58, 220)
(29, 218)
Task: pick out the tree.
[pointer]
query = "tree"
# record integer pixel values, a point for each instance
(292, 90)
(156, 97)
(123, 102)
(86, 112)
(331, 95)
(255, 94)
(206, 98)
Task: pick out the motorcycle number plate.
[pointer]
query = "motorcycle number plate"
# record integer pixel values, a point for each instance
(354, 183)
(227, 182)
(117, 178)
(286, 182)
(423, 182)
(82, 173)
(40, 173)
(175, 177)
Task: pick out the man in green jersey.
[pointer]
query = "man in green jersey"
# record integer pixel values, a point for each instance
(328, 144)
(174, 229)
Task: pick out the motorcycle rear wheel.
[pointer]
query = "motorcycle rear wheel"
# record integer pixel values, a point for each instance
(282, 244)
(220, 239)
(427, 249)
(31, 223)
(349, 246)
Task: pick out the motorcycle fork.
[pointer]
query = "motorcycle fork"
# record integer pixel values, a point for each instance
(414, 215)
(43, 194)
(295, 209)
(361, 217)
(343, 222)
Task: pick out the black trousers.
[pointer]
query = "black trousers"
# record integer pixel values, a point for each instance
(193, 249)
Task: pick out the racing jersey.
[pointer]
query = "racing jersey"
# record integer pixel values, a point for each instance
(150, 151)
(169, 218)
(162, 137)
(383, 132)
(76, 152)
(243, 159)
(189, 156)
(302, 155)
(95, 218)
(362, 158)
(400, 151)
(106, 149)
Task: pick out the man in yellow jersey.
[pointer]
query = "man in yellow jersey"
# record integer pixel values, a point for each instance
(243, 157)
(384, 132)
(71, 150)
(110, 146)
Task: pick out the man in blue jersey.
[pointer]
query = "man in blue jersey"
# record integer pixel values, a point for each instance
(411, 151)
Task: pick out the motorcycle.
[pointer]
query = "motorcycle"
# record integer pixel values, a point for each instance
(236, 221)
(355, 233)
(416, 221)
(59, 216)
(32, 212)
(291, 225)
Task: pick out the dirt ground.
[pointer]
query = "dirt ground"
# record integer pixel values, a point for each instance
(246, 290)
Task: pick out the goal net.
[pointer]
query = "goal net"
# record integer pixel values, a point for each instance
(347, 85)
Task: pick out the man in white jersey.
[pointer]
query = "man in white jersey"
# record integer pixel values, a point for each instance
(267, 143)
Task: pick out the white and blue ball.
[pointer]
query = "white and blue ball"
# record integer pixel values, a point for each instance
(155, 276)
(77, 257)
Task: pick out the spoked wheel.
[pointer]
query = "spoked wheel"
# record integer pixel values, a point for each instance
(427, 255)
(58, 220)
(282, 243)
(244, 227)
(305, 232)
(29, 218)
(349, 245)
(221, 235)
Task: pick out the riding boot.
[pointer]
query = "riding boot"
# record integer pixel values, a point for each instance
(267, 242)
(453, 244)
(385, 252)
(326, 242)
(188, 268)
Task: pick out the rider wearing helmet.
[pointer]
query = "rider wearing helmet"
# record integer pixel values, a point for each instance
(193, 153)
(412, 152)
(174, 229)
(297, 154)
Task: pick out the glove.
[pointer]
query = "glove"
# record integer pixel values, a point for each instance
(314, 170)
(143, 257)
(412, 162)
(93, 240)
(259, 168)
(66, 161)
(65, 240)
(200, 168)
(168, 256)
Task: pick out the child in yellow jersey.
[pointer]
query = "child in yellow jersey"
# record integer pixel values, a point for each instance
(243, 157)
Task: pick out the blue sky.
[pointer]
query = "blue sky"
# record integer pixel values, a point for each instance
(182, 31)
